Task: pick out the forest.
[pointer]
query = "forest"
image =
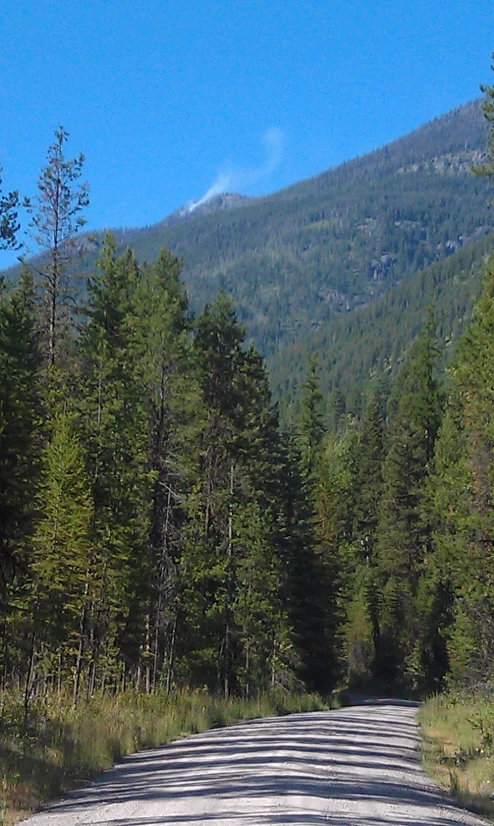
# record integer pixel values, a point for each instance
(162, 529)
(374, 339)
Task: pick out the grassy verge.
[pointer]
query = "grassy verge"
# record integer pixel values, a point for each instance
(458, 747)
(62, 748)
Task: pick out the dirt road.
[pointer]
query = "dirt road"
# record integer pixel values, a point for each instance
(356, 766)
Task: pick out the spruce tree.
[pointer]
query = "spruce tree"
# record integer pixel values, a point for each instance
(487, 167)
(165, 378)
(305, 589)
(335, 498)
(404, 531)
(20, 443)
(115, 431)
(371, 451)
(234, 559)
(462, 499)
(318, 568)
(363, 628)
(310, 425)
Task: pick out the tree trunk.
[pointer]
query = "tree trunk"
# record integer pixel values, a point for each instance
(80, 647)
(29, 675)
(228, 629)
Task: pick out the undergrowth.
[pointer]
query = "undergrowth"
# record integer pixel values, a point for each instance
(61, 748)
(458, 746)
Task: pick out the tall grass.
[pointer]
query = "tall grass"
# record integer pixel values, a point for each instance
(458, 746)
(61, 748)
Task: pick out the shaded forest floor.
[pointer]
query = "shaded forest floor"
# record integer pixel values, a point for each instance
(458, 747)
(61, 748)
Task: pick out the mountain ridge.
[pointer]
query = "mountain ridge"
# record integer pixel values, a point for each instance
(294, 259)
(299, 259)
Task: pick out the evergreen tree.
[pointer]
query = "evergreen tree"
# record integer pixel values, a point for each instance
(487, 167)
(20, 420)
(363, 628)
(450, 509)
(310, 424)
(462, 498)
(334, 531)
(165, 379)
(318, 570)
(371, 451)
(9, 225)
(305, 588)
(267, 655)
(115, 431)
(61, 558)
(218, 353)
(57, 218)
(230, 541)
(404, 531)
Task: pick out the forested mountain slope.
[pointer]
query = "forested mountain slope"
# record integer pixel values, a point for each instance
(357, 348)
(159, 529)
(344, 263)
(295, 259)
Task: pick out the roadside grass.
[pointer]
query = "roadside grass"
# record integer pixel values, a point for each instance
(458, 747)
(62, 748)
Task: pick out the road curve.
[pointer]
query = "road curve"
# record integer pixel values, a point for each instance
(356, 766)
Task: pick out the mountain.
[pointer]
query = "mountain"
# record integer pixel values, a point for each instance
(345, 262)
(304, 256)
(218, 203)
(369, 345)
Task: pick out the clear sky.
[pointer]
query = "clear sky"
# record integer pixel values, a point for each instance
(168, 99)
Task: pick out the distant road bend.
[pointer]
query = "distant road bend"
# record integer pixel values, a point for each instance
(356, 766)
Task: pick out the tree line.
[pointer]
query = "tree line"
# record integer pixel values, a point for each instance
(405, 509)
(154, 530)
(152, 524)
(159, 530)
(410, 494)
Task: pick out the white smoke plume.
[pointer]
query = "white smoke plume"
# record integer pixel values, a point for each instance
(233, 178)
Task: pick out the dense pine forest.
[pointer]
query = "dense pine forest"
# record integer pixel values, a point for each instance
(373, 340)
(161, 530)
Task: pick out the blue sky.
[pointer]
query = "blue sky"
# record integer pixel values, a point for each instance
(168, 99)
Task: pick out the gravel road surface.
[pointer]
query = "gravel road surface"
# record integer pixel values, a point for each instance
(357, 766)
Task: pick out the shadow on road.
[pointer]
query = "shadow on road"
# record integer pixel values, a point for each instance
(357, 766)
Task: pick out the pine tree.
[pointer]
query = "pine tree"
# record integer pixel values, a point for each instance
(57, 218)
(9, 225)
(487, 167)
(165, 379)
(20, 419)
(310, 423)
(115, 432)
(462, 499)
(229, 538)
(404, 532)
